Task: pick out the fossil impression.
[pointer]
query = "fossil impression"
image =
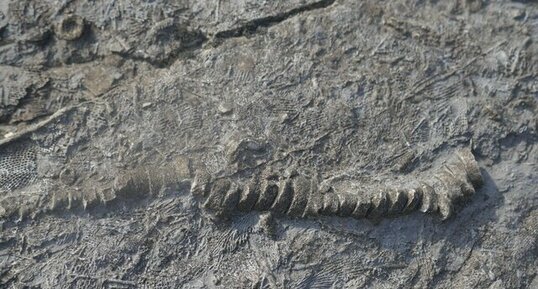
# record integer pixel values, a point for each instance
(300, 196)
(284, 193)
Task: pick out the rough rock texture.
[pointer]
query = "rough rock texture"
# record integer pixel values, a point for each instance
(113, 110)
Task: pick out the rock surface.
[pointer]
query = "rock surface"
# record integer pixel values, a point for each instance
(109, 108)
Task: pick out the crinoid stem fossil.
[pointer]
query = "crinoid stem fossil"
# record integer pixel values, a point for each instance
(291, 194)
(296, 195)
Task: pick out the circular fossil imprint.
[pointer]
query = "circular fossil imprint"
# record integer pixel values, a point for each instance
(70, 28)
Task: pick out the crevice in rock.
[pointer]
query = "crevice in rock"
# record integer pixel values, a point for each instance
(250, 27)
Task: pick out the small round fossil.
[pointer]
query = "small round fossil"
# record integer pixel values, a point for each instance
(71, 27)
(68, 177)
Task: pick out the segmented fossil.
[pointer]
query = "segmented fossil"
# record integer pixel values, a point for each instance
(286, 193)
(135, 183)
(140, 182)
(297, 195)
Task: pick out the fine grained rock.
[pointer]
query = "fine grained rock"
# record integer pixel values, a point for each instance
(268, 144)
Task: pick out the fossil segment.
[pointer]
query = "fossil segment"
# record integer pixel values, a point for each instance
(219, 190)
(348, 202)
(331, 204)
(249, 197)
(231, 200)
(152, 178)
(301, 189)
(413, 200)
(135, 183)
(268, 194)
(397, 201)
(362, 207)
(299, 196)
(429, 199)
(284, 198)
(379, 205)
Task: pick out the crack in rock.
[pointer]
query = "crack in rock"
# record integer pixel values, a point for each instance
(250, 27)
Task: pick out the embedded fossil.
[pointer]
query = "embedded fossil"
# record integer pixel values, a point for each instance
(70, 28)
(283, 193)
(134, 183)
(300, 196)
(297, 195)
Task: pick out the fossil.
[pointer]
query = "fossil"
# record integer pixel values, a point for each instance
(70, 28)
(297, 195)
(18, 170)
(131, 184)
(290, 193)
